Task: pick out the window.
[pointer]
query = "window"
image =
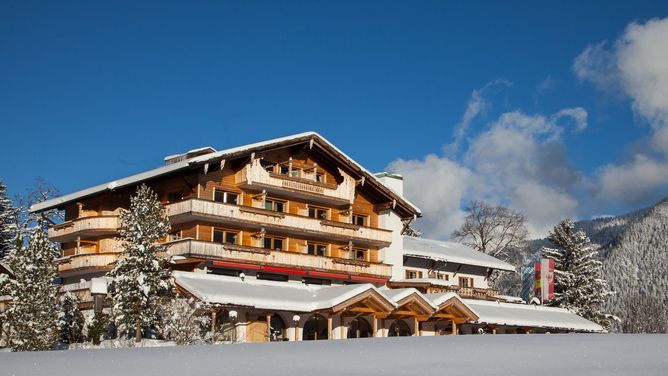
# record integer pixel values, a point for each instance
(272, 277)
(227, 272)
(465, 282)
(284, 170)
(316, 281)
(174, 235)
(175, 196)
(273, 243)
(226, 197)
(360, 220)
(442, 276)
(413, 274)
(316, 249)
(319, 177)
(358, 254)
(317, 213)
(275, 205)
(295, 172)
(224, 236)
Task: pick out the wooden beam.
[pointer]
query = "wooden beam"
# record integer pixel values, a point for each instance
(213, 320)
(375, 326)
(330, 335)
(341, 327)
(417, 327)
(362, 310)
(454, 328)
(268, 317)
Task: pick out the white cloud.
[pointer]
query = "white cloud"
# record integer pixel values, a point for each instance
(517, 160)
(636, 65)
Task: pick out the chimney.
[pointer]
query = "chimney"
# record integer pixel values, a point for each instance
(393, 181)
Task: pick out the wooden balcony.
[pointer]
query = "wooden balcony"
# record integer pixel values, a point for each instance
(254, 177)
(86, 262)
(196, 209)
(261, 256)
(84, 226)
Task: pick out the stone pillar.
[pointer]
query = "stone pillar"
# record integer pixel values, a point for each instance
(268, 327)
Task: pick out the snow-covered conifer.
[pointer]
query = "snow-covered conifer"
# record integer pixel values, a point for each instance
(8, 222)
(71, 320)
(138, 277)
(578, 282)
(183, 321)
(33, 314)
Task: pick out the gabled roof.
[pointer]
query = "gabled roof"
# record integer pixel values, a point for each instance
(406, 208)
(223, 290)
(451, 252)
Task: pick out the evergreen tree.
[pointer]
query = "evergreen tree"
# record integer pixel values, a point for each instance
(578, 282)
(33, 314)
(71, 321)
(138, 277)
(8, 223)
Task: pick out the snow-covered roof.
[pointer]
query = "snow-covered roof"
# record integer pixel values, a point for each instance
(439, 298)
(429, 281)
(530, 316)
(451, 252)
(224, 290)
(214, 156)
(397, 295)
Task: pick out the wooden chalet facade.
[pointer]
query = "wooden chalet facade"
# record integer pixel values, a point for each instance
(261, 232)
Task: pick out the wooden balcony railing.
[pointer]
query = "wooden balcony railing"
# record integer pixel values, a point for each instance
(196, 248)
(281, 222)
(100, 261)
(253, 174)
(99, 225)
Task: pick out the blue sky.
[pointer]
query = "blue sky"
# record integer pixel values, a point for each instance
(94, 91)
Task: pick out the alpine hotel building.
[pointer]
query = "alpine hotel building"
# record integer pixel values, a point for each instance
(290, 239)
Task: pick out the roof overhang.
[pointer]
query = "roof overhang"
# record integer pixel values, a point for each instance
(403, 207)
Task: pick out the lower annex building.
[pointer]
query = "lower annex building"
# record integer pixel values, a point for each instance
(290, 239)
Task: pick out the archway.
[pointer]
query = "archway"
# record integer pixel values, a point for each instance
(359, 328)
(399, 328)
(315, 328)
(276, 329)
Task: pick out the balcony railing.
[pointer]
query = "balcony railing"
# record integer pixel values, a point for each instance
(281, 222)
(253, 174)
(474, 292)
(100, 225)
(196, 248)
(81, 262)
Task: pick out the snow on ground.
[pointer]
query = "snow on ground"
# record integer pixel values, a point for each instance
(545, 355)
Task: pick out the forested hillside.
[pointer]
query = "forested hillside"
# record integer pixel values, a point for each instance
(634, 251)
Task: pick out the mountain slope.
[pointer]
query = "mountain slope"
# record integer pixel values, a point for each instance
(634, 251)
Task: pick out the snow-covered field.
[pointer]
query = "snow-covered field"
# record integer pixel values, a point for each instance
(471, 355)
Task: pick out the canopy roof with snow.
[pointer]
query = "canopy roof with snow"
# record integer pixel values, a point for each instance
(281, 296)
(451, 252)
(523, 315)
(196, 159)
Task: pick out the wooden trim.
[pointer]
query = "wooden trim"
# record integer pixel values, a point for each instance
(262, 211)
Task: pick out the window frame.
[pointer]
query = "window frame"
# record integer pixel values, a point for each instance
(225, 234)
(225, 196)
(316, 210)
(469, 282)
(274, 202)
(317, 244)
(356, 216)
(272, 240)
